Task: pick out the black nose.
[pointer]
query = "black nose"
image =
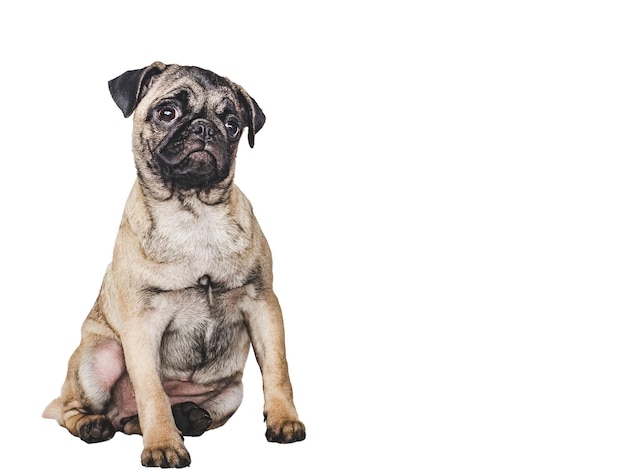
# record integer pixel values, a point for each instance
(202, 128)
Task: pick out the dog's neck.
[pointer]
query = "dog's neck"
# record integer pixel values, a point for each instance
(157, 191)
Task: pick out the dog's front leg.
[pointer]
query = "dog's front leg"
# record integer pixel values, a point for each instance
(265, 325)
(163, 444)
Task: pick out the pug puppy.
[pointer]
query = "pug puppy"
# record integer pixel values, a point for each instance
(189, 287)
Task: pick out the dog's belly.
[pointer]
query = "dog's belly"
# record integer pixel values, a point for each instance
(223, 394)
(202, 354)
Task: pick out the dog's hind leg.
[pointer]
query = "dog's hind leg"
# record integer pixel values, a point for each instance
(222, 406)
(94, 368)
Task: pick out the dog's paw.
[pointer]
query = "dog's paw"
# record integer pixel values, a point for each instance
(170, 456)
(190, 419)
(95, 428)
(285, 431)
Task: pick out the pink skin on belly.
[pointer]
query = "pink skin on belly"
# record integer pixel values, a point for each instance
(123, 403)
(108, 368)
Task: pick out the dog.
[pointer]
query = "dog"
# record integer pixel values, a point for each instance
(189, 287)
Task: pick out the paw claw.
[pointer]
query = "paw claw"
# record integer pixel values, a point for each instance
(165, 457)
(95, 428)
(190, 419)
(286, 432)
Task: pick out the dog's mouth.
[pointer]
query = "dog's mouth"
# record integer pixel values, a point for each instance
(174, 149)
(197, 162)
(201, 157)
(195, 170)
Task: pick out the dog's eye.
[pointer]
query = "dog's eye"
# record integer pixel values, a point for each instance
(232, 127)
(167, 113)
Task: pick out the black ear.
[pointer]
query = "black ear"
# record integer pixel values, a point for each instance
(128, 89)
(254, 118)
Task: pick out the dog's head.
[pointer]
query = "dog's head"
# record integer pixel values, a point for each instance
(187, 125)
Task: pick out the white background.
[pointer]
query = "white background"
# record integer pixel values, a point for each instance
(442, 184)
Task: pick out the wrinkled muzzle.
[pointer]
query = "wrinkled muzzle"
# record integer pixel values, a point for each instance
(194, 155)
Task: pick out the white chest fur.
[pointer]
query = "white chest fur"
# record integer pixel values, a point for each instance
(185, 240)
